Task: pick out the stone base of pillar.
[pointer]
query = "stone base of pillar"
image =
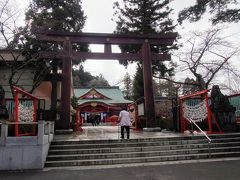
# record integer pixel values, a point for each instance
(64, 131)
(155, 129)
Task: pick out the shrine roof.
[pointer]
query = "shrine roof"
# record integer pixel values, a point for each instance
(108, 95)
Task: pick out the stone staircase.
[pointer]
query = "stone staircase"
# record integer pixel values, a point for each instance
(110, 152)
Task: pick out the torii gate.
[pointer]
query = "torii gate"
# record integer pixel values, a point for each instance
(67, 54)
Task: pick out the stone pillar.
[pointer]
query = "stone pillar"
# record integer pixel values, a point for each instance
(40, 132)
(148, 86)
(4, 133)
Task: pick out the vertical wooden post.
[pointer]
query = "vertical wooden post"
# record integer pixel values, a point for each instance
(66, 86)
(35, 114)
(54, 90)
(78, 119)
(16, 112)
(209, 114)
(182, 119)
(148, 86)
(107, 48)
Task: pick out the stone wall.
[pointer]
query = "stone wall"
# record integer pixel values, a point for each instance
(25, 152)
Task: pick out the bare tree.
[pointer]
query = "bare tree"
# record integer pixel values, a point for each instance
(9, 55)
(15, 49)
(207, 54)
(231, 85)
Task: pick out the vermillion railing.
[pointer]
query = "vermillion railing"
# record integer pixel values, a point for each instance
(29, 101)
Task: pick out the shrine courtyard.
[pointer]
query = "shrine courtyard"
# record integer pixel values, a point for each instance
(110, 133)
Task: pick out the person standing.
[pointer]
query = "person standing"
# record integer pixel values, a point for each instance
(125, 122)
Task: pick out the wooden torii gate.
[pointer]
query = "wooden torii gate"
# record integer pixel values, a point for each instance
(67, 54)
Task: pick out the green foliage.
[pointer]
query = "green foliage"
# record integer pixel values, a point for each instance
(221, 11)
(145, 17)
(74, 102)
(127, 90)
(165, 88)
(188, 88)
(138, 90)
(82, 78)
(99, 81)
(57, 15)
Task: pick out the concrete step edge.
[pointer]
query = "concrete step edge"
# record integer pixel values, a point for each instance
(135, 149)
(177, 138)
(144, 154)
(141, 159)
(141, 143)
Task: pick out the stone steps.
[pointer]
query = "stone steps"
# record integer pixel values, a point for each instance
(139, 154)
(138, 149)
(163, 139)
(94, 162)
(126, 143)
(109, 152)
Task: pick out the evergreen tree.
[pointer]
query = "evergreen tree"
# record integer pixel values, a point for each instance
(138, 90)
(221, 11)
(57, 15)
(81, 78)
(99, 81)
(127, 90)
(145, 17)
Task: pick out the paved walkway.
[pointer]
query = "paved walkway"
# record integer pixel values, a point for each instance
(111, 132)
(219, 170)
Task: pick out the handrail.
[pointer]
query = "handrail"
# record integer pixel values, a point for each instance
(209, 140)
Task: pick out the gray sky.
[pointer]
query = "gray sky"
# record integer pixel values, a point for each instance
(99, 14)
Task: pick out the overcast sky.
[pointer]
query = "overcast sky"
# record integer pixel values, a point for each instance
(99, 14)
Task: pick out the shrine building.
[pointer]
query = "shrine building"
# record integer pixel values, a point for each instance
(103, 102)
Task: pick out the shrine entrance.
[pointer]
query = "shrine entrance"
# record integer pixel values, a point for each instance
(98, 106)
(94, 114)
(67, 54)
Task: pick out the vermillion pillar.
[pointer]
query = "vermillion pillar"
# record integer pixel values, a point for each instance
(148, 86)
(66, 86)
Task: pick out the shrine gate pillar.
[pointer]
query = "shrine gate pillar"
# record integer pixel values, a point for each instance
(148, 86)
(65, 115)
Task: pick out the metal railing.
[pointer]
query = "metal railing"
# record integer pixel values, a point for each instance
(208, 138)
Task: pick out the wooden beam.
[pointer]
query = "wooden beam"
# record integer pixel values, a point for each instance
(103, 38)
(103, 56)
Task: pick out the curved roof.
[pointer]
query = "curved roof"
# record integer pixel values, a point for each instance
(113, 94)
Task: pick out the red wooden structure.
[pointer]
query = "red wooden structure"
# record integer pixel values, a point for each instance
(184, 123)
(17, 92)
(92, 107)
